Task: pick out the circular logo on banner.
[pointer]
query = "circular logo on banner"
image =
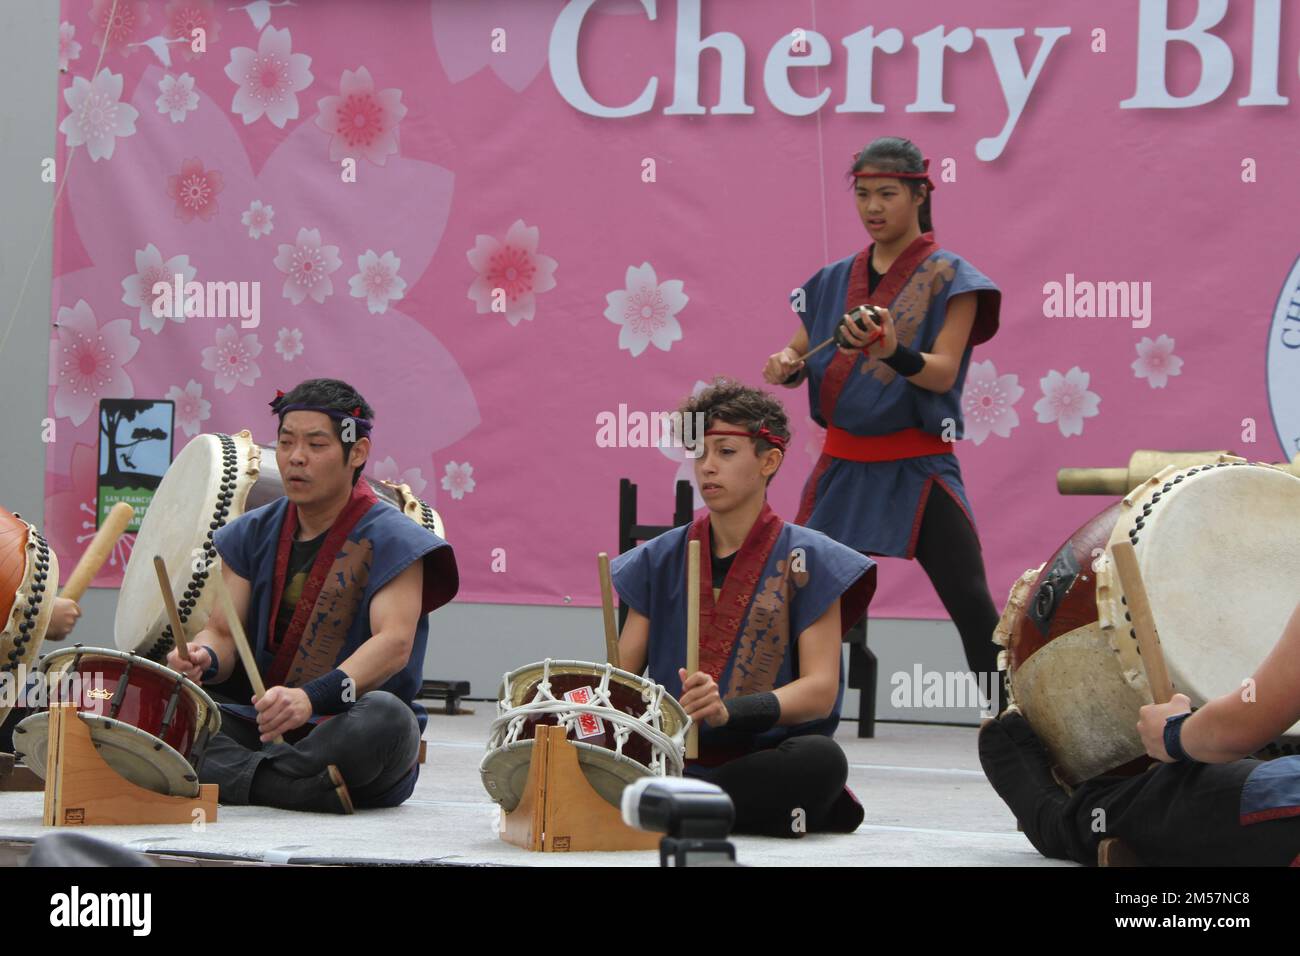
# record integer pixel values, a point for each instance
(1284, 364)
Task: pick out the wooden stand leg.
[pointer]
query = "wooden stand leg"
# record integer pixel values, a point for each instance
(82, 790)
(559, 811)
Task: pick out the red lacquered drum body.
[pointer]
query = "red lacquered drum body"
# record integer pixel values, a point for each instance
(142, 701)
(148, 722)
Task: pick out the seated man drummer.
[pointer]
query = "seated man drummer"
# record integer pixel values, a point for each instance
(332, 587)
(775, 601)
(1206, 803)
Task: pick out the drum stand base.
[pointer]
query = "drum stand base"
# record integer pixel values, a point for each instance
(82, 790)
(560, 811)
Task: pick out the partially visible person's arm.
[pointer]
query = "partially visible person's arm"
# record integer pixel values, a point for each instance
(1240, 722)
(634, 642)
(811, 696)
(62, 619)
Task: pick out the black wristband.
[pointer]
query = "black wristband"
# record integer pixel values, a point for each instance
(327, 691)
(906, 362)
(211, 672)
(753, 713)
(1174, 738)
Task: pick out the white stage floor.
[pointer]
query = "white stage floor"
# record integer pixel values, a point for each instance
(927, 804)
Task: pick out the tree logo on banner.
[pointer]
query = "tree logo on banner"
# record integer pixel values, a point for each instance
(1284, 364)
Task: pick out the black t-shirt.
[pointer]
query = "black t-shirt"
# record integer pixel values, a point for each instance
(302, 555)
(873, 277)
(720, 567)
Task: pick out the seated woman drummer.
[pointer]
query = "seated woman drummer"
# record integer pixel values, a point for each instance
(775, 602)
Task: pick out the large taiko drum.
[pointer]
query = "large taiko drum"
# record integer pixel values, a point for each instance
(214, 479)
(624, 727)
(29, 578)
(1218, 547)
(148, 722)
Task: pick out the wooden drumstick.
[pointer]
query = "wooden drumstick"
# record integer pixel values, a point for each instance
(101, 546)
(1143, 622)
(169, 601)
(236, 627)
(607, 606)
(693, 634)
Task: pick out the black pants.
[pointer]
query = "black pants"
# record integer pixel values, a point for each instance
(1183, 814)
(374, 744)
(770, 787)
(948, 549)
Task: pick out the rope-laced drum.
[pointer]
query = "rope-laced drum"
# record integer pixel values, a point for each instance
(29, 577)
(1218, 547)
(214, 479)
(624, 727)
(148, 722)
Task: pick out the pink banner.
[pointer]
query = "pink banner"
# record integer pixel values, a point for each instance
(510, 222)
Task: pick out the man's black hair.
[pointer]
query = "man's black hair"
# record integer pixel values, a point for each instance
(336, 395)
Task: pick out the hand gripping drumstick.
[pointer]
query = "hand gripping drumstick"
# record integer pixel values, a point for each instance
(178, 632)
(693, 634)
(876, 337)
(101, 546)
(607, 606)
(250, 662)
(1144, 625)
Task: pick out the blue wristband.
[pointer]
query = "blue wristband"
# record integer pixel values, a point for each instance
(213, 668)
(326, 693)
(1174, 738)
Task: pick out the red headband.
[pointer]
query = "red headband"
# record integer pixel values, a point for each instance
(775, 440)
(925, 165)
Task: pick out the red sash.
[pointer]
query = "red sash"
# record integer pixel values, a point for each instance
(363, 498)
(908, 443)
(720, 624)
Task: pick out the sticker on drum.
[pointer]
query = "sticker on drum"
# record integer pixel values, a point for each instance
(589, 725)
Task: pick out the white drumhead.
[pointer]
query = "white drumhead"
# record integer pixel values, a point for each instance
(1219, 553)
(178, 521)
(138, 756)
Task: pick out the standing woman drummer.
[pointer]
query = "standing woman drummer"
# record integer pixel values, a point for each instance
(887, 482)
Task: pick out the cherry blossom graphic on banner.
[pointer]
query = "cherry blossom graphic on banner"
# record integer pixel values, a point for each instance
(508, 221)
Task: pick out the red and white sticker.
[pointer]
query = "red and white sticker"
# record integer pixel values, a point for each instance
(589, 725)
